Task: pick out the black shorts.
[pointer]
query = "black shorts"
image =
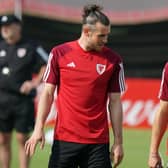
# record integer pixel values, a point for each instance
(75, 155)
(18, 116)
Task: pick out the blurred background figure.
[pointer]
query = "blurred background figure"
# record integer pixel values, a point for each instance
(20, 59)
(160, 122)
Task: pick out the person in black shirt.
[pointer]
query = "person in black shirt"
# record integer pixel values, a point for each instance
(19, 60)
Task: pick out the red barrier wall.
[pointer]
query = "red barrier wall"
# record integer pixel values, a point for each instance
(140, 102)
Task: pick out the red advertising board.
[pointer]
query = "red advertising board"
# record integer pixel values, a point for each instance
(140, 102)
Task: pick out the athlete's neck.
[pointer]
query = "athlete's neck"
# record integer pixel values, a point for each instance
(83, 44)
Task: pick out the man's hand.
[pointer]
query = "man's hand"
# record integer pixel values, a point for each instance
(32, 142)
(26, 87)
(117, 154)
(154, 161)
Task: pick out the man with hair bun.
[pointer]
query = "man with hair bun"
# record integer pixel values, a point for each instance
(86, 74)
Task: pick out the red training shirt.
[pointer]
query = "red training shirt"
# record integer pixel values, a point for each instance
(163, 94)
(83, 81)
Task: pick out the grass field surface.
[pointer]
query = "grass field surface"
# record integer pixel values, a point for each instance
(136, 149)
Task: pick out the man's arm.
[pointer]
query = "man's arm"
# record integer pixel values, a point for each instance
(158, 130)
(44, 106)
(116, 118)
(27, 86)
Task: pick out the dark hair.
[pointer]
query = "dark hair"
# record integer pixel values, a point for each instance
(92, 14)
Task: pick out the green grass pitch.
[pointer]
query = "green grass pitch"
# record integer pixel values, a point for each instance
(136, 149)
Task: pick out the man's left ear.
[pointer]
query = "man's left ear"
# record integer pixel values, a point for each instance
(86, 31)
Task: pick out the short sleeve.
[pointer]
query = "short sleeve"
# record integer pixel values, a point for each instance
(117, 81)
(51, 74)
(163, 93)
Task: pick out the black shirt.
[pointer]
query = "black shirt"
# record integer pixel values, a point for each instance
(17, 64)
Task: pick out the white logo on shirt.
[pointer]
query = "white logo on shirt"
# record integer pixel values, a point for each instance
(2, 53)
(100, 68)
(21, 52)
(71, 64)
(5, 71)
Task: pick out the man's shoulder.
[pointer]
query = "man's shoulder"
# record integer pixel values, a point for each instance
(64, 47)
(166, 67)
(28, 43)
(111, 54)
(166, 64)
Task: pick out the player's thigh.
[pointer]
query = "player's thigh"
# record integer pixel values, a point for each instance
(96, 156)
(5, 139)
(64, 155)
(24, 116)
